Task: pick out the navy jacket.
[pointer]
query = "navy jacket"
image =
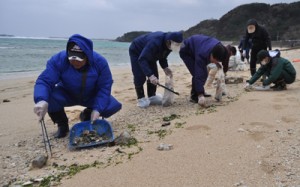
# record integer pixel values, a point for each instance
(150, 48)
(59, 72)
(195, 53)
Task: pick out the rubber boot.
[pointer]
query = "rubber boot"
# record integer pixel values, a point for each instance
(155, 99)
(253, 71)
(151, 89)
(194, 96)
(142, 101)
(85, 115)
(140, 92)
(60, 118)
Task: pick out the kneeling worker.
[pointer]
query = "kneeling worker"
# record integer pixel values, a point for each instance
(279, 70)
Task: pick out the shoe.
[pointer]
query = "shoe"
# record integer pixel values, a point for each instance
(280, 87)
(143, 102)
(207, 95)
(194, 99)
(275, 86)
(156, 100)
(62, 131)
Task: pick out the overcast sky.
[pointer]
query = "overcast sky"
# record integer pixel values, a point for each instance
(108, 19)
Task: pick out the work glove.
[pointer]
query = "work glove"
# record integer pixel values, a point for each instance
(40, 109)
(153, 79)
(94, 116)
(244, 53)
(202, 101)
(168, 72)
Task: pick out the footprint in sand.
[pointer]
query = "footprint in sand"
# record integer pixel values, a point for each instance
(261, 124)
(256, 135)
(253, 99)
(200, 127)
(279, 107)
(288, 119)
(277, 100)
(293, 99)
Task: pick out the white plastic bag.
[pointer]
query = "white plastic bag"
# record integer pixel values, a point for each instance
(168, 97)
(221, 87)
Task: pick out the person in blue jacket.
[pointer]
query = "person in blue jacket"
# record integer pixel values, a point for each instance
(197, 52)
(75, 76)
(144, 53)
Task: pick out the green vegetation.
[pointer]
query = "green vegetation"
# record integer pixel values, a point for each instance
(171, 117)
(281, 20)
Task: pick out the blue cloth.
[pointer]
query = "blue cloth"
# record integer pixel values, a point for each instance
(195, 53)
(144, 52)
(60, 84)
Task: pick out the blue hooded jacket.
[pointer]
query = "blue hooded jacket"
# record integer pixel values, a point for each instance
(150, 48)
(59, 72)
(195, 53)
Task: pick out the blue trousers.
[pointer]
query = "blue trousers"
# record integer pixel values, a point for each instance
(60, 98)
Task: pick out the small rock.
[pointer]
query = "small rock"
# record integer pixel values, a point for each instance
(123, 138)
(39, 161)
(6, 100)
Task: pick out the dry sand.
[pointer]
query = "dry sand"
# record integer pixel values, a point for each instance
(249, 139)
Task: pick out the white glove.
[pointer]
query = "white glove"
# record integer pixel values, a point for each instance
(244, 53)
(153, 79)
(168, 72)
(41, 109)
(94, 116)
(202, 101)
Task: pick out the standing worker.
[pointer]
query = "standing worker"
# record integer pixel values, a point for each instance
(144, 53)
(260, 40)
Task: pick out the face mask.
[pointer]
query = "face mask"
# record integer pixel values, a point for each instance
(175, 47)
(264, 62)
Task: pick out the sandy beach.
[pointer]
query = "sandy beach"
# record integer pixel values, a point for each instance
(248, 139)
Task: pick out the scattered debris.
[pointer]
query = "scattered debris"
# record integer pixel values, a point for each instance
(234, 80)
(164, 147)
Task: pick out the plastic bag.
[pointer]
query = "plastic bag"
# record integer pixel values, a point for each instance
(168, 97)
(221, 87)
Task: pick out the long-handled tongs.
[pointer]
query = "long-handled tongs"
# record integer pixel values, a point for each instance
(168, 89)
(45, 137)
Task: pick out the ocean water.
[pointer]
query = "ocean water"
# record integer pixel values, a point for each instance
(23, 57)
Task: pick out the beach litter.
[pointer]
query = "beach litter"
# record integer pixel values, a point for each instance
(85, 134)
(164, 147)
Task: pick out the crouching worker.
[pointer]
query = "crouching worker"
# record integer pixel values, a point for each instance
(77, 76)
(144, 53)
(197, 52)
(278, 70)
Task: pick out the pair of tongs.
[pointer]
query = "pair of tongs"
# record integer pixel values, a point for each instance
(45, 137)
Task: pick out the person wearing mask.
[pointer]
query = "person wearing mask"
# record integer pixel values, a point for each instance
(279, 71)
(75, 76)
(144, 53)
(260, 40)
(197, 52)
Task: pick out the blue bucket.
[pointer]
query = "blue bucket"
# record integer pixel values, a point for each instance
(101, 127)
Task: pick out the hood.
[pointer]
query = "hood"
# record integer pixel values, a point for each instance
(252, 22)
(85, 44)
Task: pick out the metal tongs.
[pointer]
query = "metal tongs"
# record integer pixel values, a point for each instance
(45, 137)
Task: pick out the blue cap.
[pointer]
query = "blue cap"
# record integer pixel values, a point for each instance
(175, 36)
